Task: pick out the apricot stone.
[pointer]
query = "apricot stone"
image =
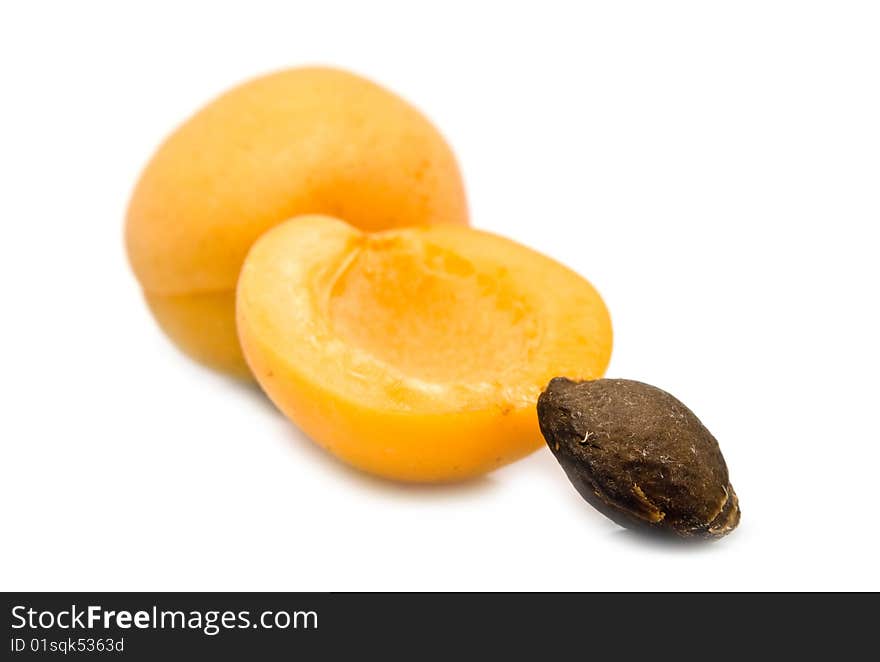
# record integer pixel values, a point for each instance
(310, 140)
(415, 354)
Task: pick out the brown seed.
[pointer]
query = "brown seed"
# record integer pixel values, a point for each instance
(639, 456)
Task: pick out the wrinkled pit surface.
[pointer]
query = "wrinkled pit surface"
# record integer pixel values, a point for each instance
(431, 313)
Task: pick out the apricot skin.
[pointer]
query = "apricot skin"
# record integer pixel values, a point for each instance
(415, 354)
(309, 140)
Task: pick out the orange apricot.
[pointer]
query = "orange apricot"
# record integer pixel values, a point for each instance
(416, 354)
(309, 140)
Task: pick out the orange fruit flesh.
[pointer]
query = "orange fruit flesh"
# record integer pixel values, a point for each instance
(415, 354)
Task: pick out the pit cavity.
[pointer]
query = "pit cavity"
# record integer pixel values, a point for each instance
(431, 313)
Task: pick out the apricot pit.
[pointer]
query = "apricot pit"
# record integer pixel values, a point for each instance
(639, 456)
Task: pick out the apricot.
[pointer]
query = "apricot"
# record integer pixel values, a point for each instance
(311, 140)
(416, 354)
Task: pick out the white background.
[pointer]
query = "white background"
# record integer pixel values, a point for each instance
(713, 168)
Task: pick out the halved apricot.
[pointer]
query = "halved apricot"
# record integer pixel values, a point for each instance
(416, 354)
(300, 141)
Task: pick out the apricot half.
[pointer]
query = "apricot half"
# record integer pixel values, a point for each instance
(311, 140)
(416, 354)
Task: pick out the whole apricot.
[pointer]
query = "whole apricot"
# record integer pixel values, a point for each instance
(415, 354)
(309, 140)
